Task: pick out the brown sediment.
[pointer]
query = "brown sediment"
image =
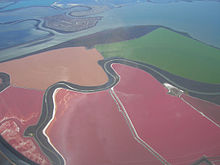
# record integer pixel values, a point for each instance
(66, 24)
(107, 36)
(210, 110)
(75, 65)
(104, 37)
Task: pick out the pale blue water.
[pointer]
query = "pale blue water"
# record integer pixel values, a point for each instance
(20, 33)
(200, 19)
(28, 3)
(5, 4)
(28, 13)
(100, 2)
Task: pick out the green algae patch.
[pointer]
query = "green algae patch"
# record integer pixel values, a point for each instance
(172, 52)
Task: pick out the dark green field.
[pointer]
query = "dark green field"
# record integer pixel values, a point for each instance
(172, 52)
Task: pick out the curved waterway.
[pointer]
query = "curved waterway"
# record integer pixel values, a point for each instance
(198, 19)
(48, 104)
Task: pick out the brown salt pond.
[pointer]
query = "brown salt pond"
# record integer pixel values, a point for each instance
(75, 65)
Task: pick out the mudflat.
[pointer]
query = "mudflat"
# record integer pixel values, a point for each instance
(75, 65)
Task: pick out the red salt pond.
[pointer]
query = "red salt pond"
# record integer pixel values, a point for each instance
(88, 129)
(20, 108)
(166, 123)
(120, 125)
(210, 110)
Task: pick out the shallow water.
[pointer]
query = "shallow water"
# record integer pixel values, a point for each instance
(199, 19)
(20, 33)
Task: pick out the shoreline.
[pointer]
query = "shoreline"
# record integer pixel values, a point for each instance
(84, 39)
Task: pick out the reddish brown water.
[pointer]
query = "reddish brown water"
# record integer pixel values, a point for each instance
(75, 65)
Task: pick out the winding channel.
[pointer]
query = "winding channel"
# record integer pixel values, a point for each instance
(201, 90)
